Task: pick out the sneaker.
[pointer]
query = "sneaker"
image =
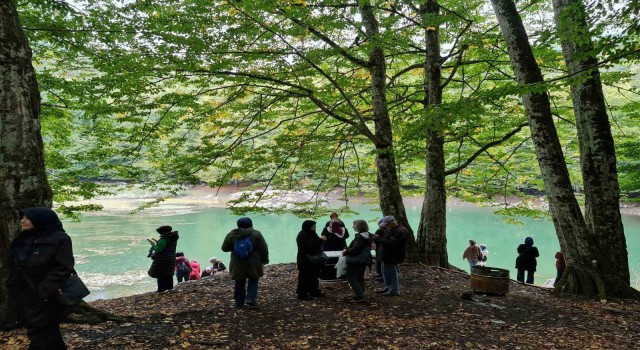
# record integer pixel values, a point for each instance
(250, 305)
(389, 294)
(383, 290)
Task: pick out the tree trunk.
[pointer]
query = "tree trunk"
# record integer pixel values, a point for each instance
(597, 151)
(391, 202)
(576, 240)
(432, 231)
(23, 182)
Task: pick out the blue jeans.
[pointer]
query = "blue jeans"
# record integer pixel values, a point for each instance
(559, 274)
(246, 290)
(529, 276)
(472, 263)
(390, 276)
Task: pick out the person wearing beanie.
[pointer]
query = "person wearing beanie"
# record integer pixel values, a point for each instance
(40, 259)
(472, 253)
(246, 271)
(163, 255)
(392, 251)
(309, 245)
(526, 260)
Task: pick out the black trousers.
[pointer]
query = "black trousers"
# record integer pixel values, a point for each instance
(308, 282)
(165, 283)
(46, 338)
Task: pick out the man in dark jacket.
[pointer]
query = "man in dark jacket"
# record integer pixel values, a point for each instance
(246, 271)
(40, 260)
(392, 249)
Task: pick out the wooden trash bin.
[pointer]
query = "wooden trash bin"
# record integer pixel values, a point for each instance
(485, 279)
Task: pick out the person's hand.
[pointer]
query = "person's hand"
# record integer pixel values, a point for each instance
(324, 238)
(344, 251)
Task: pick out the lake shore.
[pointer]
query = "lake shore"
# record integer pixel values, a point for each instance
(201, 197)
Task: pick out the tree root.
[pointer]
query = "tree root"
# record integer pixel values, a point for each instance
(86, 314)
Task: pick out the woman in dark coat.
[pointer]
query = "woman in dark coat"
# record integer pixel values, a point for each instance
(358, 258)
(336, 234)
(39, 262)
(309, 244)
(526, 260)
(164, 258)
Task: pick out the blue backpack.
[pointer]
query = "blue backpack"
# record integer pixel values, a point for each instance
(243, 247)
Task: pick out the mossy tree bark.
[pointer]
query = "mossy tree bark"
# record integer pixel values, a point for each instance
(432, 230)
(576, 239)
(23, 182)
(597, 159)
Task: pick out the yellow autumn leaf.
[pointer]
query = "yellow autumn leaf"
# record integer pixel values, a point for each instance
(431, 28)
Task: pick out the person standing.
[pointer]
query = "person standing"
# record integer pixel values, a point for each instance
(472, 253)
(392, 250)
(163, 255)
(182, 267)
(561, 265)
(336, 234)
(40, 260)
(246, 271)
(195, 270)
(309, 245)
(526, 260)
(358, 256)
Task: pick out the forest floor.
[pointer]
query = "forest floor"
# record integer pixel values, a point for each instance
(431, 313)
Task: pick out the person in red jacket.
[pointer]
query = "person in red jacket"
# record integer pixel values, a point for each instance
(195, 270)
(561, 265)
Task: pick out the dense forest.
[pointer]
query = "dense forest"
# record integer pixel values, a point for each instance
(379, 98)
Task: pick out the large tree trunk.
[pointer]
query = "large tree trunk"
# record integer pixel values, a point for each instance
(432, 231)
(578, 243)
(391, 202)
(23, 182)
(597, 152)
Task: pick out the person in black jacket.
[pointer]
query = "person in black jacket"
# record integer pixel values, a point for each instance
(40, 260)
(358, 256)
(391, 251)
(164, 258)
(526, 260)
(336, 234)
(309, 244)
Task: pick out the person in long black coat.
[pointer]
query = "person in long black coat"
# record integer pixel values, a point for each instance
(40, 260)
(164, 258)
(526, 260)
(309, 244)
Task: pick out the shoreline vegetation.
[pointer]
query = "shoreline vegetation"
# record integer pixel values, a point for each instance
(201, 197)
(436, 310)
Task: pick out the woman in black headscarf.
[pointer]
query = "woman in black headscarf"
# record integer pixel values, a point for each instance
(526, 260)
(309, 245)
(40, 260)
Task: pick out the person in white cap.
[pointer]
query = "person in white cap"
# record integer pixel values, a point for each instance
(392, 251)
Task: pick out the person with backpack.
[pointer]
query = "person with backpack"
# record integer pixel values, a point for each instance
(183, 267)
(163, 256)
(526, 260)
(358, 256)
(249, 252)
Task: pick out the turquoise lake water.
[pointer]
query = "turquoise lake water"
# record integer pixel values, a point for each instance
(111, 250)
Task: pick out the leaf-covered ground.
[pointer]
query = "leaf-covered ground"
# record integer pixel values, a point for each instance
(430, 314)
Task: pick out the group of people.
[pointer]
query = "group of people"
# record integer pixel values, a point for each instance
(526, 262)
(167, 262)
(390, 246)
